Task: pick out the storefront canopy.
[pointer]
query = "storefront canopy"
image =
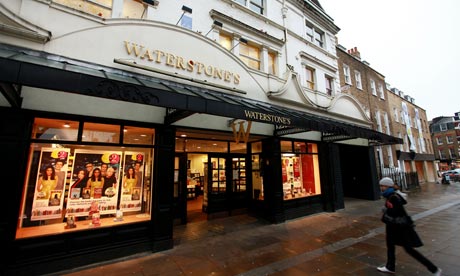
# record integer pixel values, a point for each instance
(42, 70)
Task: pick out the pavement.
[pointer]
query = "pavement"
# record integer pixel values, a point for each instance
(347, 242)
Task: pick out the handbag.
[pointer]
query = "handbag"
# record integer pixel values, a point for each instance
(405, 220)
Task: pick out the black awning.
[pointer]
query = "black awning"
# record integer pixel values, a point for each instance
(37, 69)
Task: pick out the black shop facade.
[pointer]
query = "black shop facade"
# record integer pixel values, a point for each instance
(104, 161)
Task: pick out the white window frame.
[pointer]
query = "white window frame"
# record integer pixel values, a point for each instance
(311, 84)
(381, 92)
(443, 127)
(250, 4)
(449, 139)
(358, 81)
(314, 34)
(329, 82)
(396, 114)
(346, 74)
(374, 91)
(439, 141)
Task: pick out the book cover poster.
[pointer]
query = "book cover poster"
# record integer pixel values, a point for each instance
(95, 174)
(50, 184)
(133, 181)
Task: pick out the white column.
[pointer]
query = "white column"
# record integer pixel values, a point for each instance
(117, 8)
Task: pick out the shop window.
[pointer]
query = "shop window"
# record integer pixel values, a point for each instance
(237, 147)
(102, 133)
(47, 129)
(197, 145)
(286, 146)
(300, 172)
(138, 135)
(250, 55)
(257, 178)
(83, 185)
(256, 147)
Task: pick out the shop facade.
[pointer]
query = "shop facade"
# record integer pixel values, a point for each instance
(110, 131)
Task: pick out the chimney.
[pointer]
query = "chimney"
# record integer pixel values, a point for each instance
(354, 52)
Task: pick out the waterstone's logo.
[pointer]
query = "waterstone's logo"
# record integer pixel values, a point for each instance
(178, 62)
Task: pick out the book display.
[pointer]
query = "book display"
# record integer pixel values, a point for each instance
(77, 187)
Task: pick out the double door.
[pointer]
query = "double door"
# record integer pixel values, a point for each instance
(225, 183)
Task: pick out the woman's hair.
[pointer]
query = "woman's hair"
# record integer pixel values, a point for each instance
(93, 177)
(130, 175)
(53, 174)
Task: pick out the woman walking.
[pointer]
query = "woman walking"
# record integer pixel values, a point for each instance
(400, 230)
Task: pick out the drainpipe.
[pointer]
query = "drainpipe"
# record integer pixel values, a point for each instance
(284, 11)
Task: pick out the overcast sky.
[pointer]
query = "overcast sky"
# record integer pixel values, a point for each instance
(415, 44)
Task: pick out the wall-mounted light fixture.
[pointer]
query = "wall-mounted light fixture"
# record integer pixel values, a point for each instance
(184, 10)
(242, 40)
(66, 125)
(215, 24)
(151, 2)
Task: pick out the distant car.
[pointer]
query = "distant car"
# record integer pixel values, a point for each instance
(454, 175)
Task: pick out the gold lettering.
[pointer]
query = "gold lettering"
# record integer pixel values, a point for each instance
(147, 54)
(170, 59)
(190, 66)
(160, 54)
(227, 76)
(236, 79)
(180, 63)
(200, 67)
(209, 71)
(134, 47)
(218, 73)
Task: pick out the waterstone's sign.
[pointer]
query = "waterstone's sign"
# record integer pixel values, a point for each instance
(259, 116)
(181, 63)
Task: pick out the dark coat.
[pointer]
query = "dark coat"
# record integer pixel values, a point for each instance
(404, 235)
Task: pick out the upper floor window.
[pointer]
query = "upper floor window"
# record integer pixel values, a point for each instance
(272, 63)
(452, 153)
(329, 82)
(225, 41)
(439, 140)
(310, 75)
(255, 5)
(443, 127)
(382, 94)
(101, 8)
(374, 91)
(314, 35)
(358, 80)
(250, 55)
(450, 139)
(396, 114)
(346, 74)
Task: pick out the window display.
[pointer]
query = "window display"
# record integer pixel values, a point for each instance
(300, 170)
(71, 187)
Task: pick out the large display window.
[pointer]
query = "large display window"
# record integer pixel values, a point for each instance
(81, 175)
(300, 169)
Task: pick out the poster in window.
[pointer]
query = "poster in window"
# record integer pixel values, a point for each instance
(50, 184)
(133, 181)
(95, 178)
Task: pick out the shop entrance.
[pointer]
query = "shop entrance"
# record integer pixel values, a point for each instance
(209, 184)
(225, 178)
